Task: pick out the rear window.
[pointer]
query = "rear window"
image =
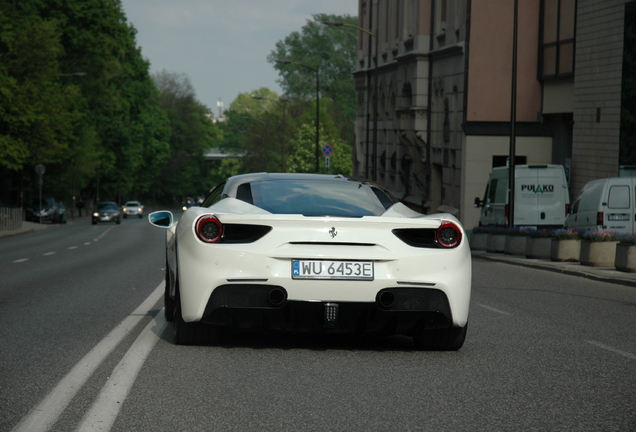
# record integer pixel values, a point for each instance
(106, 206)
(618, 197)
(319, 198)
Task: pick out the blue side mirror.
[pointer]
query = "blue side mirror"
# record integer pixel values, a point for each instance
(161, 219)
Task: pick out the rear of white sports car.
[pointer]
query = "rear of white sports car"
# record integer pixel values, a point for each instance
(235, 267)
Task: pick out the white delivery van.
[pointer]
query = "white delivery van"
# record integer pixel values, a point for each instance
(605, 205)
(542, 199)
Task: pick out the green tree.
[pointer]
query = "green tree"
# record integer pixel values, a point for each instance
(100, 130)
(192, 133)
(38, 113)
(331, 50)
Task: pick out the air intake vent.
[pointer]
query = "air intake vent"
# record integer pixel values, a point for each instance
(239, 233)
(417, 237)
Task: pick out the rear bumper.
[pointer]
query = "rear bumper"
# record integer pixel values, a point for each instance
(265, 308)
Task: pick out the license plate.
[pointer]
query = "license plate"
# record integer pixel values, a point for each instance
(618, 217)
(341, 270)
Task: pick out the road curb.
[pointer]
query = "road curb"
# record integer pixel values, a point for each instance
(600, 274)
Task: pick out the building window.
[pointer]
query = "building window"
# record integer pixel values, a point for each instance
(556, 49)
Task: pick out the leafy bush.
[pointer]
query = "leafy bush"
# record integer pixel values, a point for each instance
(600, 236)
(518, 231)
(566, 234)
(540, 233)
(627, 238)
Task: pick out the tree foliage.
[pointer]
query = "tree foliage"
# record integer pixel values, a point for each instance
(76, 96)
(279, 135)
(191, 135)
(330, 50)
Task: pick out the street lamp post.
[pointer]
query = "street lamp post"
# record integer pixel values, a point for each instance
(316, 70)
(375, 99)
(513, 122)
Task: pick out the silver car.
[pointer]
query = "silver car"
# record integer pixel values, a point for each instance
(133, 208)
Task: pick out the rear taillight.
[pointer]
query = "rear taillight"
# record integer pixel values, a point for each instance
(209, 229)
(567, 209)
(599, 218)
(448, 235)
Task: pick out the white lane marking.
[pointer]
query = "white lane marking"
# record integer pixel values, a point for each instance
(21, 260)
(73, 247)
(46, 413)
(493, 309)
(87, 244)
(612, 349)
(106, 408)
(48, 253)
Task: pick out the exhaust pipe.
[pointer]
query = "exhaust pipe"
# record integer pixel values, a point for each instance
(277, 296)
(386, 299)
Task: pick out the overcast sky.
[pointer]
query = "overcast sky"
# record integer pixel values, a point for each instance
(221, 45)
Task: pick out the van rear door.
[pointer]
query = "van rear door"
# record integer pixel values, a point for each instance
(618, 205)
(541, 196)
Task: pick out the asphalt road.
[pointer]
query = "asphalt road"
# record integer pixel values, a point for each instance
(84, 347)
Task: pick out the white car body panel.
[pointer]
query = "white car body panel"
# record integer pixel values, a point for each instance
(230, 262)
(269, 259)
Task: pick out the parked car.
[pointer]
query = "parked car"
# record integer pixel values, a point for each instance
(313, 253)
(133, 208)
(106, 212)
(542, 199)
(49, 211)
(605, 205)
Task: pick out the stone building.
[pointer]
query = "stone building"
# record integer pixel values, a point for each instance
(435, 76)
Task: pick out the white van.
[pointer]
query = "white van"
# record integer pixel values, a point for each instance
(605, 205)
(542, 199)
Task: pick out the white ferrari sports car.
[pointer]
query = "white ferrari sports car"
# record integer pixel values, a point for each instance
(314, 253)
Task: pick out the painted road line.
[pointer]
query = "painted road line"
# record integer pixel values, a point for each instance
(42, 417)
(612, 349)
(106, 408)
(493, 309)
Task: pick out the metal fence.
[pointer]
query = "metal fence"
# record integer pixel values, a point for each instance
(10, 219)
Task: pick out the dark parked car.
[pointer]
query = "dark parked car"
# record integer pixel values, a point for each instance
(106, 212)
(49, 211)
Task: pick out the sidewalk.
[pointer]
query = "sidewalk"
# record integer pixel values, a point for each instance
(26, 227)
(601, 274)
(34, 226)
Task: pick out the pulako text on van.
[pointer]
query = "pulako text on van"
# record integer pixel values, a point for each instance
(542, 199)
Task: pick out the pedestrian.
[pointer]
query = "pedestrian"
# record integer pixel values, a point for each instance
(80, 206)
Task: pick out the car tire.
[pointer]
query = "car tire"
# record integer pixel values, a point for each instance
(192, 333)
(125, 216)
(140, 215)
(94, 222)
(168, 302)
(450, 339)
(118, 220)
